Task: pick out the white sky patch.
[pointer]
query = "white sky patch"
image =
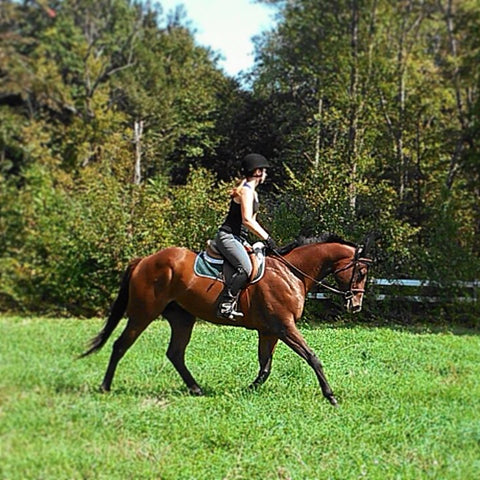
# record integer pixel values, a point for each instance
(227, 26)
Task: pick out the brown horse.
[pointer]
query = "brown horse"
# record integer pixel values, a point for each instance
(165, 284)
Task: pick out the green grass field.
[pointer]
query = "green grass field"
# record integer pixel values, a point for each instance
(409, 406)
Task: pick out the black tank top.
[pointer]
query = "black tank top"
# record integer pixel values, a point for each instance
(233, 222)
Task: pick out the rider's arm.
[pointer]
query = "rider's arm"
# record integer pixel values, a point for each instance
(246, 197)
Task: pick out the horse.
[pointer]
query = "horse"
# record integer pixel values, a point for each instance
(165, 284)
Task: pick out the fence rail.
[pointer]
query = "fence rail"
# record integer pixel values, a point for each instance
(385, 283)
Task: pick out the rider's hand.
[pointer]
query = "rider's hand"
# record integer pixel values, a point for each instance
(270, 243)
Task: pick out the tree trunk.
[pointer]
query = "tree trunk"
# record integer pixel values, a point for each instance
(316, 162)
(353, 121)
(401, 94)
(452, 43)
(138, 131)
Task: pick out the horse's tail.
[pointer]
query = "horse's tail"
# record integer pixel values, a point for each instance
(117, 311)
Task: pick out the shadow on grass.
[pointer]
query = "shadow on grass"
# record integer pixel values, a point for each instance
(142, 391)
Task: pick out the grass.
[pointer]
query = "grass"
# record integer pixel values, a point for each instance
(409, 406)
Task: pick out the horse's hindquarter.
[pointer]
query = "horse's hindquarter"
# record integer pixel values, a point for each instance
(157, 278)
(174, 279)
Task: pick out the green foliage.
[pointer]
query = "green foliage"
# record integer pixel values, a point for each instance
(384, 118)
(11, 149)
(71, 243)
(450, 255)
(197, 209)
(314, 202)
(367, 110)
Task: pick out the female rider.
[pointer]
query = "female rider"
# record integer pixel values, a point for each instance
(230, 239)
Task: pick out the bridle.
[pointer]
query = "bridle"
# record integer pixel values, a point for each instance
(357, 260)
(354, 264)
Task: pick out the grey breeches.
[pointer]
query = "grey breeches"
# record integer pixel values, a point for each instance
(233, 250)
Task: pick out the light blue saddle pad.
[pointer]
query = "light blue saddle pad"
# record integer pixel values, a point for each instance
(207, 266)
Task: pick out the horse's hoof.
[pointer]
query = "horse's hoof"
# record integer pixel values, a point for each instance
(332, 400)
(103, 389)
(196, 391)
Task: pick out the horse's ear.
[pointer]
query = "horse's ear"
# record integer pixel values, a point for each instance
(369, 242)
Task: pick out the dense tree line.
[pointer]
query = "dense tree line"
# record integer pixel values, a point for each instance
(119, 135)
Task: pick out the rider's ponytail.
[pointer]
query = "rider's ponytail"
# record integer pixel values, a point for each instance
(235, 191)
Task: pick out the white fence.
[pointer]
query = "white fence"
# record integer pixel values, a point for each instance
(418, 285)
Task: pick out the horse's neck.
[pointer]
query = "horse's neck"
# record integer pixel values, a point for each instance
(318, 260)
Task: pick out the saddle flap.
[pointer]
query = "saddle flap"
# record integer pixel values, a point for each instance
(257, 257)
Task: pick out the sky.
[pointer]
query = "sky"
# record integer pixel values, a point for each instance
(227, 26)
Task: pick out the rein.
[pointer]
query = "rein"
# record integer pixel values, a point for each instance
(352, 264)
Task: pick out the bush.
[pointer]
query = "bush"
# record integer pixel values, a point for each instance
(66, 247)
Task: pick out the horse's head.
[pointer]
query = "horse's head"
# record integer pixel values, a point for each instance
(346, 261)
(351, 276)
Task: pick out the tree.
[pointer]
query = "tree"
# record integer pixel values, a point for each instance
(379, 101)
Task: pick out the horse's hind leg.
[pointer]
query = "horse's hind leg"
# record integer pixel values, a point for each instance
(266, 347)
(181, 324)
(293, 338)
(131, 332)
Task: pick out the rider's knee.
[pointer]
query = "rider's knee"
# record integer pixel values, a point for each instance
(241, 272)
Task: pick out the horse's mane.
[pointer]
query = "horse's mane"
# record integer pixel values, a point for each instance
(323, 238)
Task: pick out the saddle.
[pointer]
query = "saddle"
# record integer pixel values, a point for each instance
(210, 263)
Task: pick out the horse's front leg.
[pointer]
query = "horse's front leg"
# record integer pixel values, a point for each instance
(294, 339)
(266, 347)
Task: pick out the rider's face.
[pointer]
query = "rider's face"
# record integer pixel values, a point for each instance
(260, 174)
(264, 175)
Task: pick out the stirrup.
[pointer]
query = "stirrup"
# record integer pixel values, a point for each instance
(228, 310)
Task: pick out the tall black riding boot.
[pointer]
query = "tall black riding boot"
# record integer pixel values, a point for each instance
(228, 299)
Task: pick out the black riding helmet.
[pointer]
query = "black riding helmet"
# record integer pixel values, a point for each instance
(252, 161)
